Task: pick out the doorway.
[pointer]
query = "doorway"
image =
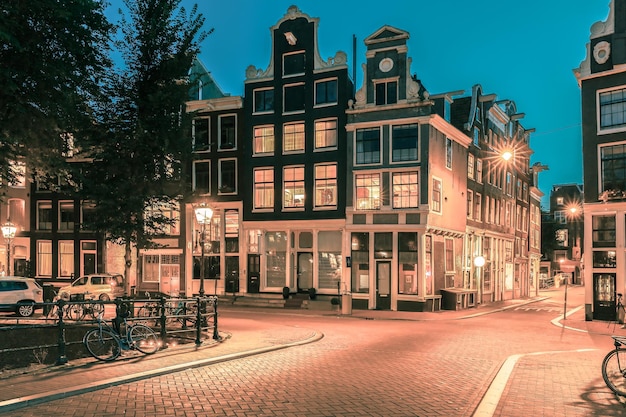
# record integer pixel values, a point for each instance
(254, 273)
(170, 279)
(604, 305)
(305, 271)
(383, 285)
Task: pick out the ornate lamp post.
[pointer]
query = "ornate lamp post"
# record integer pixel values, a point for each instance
(8, 232)
(203, 217)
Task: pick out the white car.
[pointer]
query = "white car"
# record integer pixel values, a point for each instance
(21, 295)
(104, 287)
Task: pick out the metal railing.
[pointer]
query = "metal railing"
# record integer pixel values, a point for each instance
(186, 319)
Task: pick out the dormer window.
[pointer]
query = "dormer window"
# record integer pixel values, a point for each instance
(386, 92)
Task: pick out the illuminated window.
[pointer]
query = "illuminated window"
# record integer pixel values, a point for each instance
(405, 189)
(264, 188)
(293, 186)
(326, 185)
(293, 137)
(264, 140)
(326, 134)
(367, 191)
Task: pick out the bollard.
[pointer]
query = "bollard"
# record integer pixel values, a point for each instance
(62, 358)
(162, 322)
(198, 322)
(216, 334)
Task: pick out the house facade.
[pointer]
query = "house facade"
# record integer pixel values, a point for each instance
(602, 81)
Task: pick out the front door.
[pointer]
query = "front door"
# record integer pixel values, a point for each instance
(604, 304)
(170, 279)
(305, 271)
(254, 273)
(383, 285)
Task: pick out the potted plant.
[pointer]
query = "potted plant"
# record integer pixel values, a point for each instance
(312, 293)
(285, 292)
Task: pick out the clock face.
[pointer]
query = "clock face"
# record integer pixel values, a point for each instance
(386, 65)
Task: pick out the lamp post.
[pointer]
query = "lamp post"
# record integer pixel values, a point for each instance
(8, 232)
(203, 217)
(479, 262)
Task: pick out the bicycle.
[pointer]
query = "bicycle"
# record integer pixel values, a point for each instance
(106, 343)
(614, 366)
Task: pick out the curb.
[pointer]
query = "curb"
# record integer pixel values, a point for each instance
(35, 399)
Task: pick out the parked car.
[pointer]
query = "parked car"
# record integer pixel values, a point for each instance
(21, 295)
(104, 287)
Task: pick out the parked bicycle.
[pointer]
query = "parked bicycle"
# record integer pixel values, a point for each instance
(106, 342)
(75, 309)
(614, 366)
(183, 312)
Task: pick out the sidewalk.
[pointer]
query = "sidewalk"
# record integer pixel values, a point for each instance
(245, 339)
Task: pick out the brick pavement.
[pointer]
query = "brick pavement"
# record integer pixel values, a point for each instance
(579, 385)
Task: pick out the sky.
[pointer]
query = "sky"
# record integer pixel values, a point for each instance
(522, 51)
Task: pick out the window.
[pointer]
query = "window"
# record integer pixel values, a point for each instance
(150, 268)
(66, 215)
(405, 189)
(329, 259)
(359, 244)
(293, 98)
(386, 92)
(326, 92)
(407, 263)
(293, 186)
(436, 196)
(293, 137)
(559, 201)
(448, 153)
(449, 247)
(228, 176)
(264, 188)
(613, 167)
(326, 134)
(470, 166)
(276, 256)
(44, 215)
(169, 213)
(201, 177)
(560, 217)
(368, 146)
(66, 258)
(603, 235)
(228, 131)
(509, 183)
(476, 133)
(44, 258)
(326, 185)
(404, 140)
(88, 209)
(294, 63)
(612, 109)
(470, 204)
(201, 134)
(263, 140)
(367, 191)
(263, 101)
(383, 245)
(478, 207)
(479, 170)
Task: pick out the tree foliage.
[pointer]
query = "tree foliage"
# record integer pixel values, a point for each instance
(144, 143)
(52, 58)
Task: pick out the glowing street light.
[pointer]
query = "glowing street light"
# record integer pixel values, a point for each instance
(203, 217)
(507, 155)
(8, 232)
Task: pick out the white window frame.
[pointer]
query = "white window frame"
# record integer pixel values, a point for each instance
(610, 129)
(254, 97)
(295, 74)
(376, 202)
(410, 196)
(235, 173)
(470, 167)
(266, 190)
(285, 88)
(294, 140)
(315, 142)
(380, 146)
(219, 132)
(391, 152)
(323, 185)
(436, 205)
(264, 139)
(292, 188)
(194, 175)
(193, 134)
(326, 103)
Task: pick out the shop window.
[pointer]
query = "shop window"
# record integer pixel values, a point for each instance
(360, 262)
(407, 263)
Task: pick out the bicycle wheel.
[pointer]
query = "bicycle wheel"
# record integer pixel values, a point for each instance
(94, 309)
(614, 371)
(143, 338)
(102, 344)
(53, 314)
(149, 313)
(75, 311)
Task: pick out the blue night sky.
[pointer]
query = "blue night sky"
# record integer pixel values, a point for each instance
(522, 51)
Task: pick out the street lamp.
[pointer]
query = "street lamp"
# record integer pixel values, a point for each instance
(203, 217)
(8, 232)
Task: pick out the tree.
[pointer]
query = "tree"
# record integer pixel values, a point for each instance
(138, 174)
(52, 57)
